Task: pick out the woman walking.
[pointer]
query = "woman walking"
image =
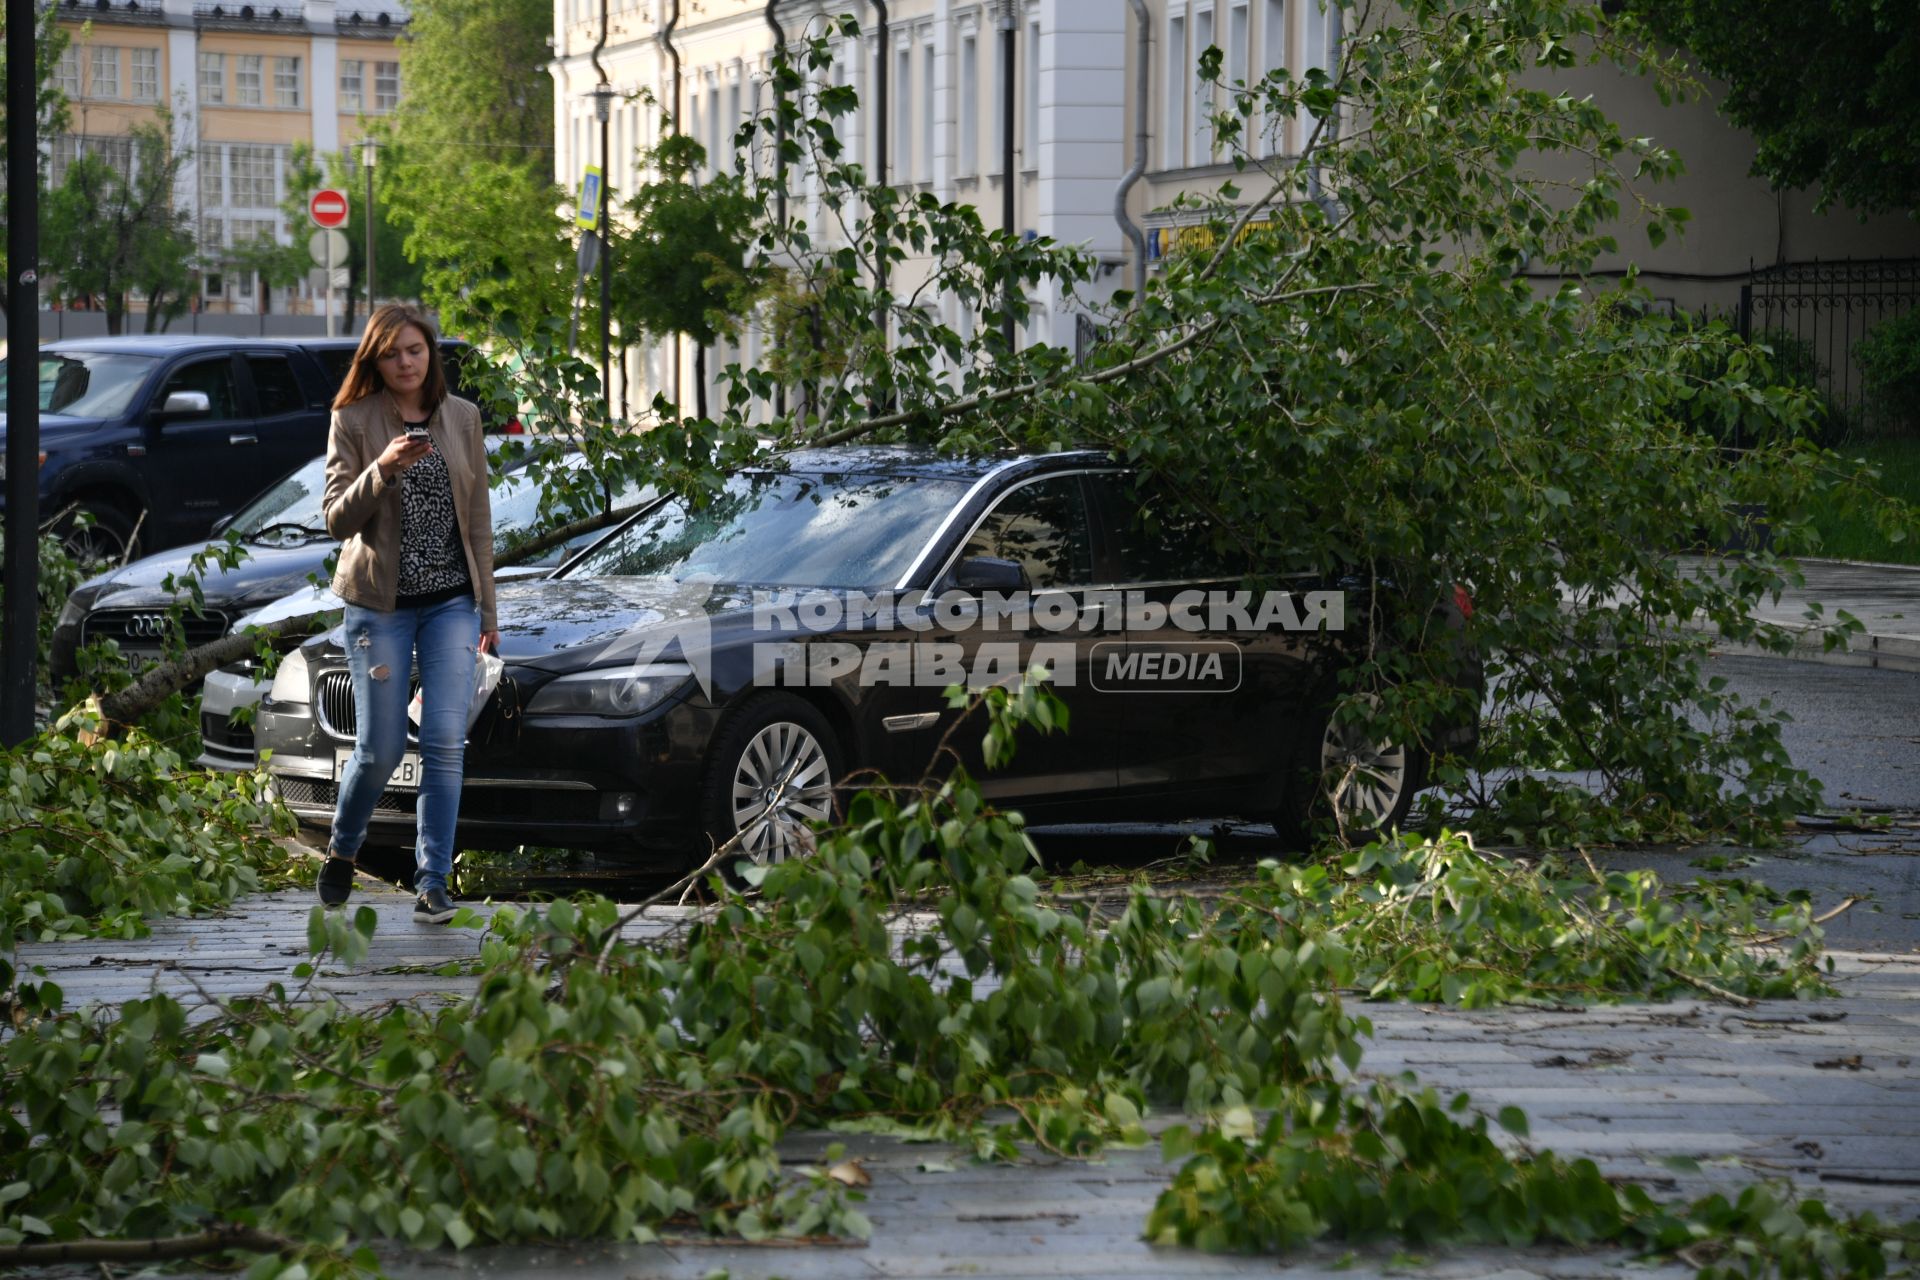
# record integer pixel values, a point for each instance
(407, 497)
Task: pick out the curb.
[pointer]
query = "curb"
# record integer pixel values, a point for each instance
(1882, 653)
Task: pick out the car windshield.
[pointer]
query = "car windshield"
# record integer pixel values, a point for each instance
(294, 503)
(783, 530)
(516, 514)
(88, 384)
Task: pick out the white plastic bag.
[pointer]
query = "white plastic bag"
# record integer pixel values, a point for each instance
(486, 678)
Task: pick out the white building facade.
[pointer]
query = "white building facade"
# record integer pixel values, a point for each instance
(1078, 121)
(1074, 62)
(244, 81)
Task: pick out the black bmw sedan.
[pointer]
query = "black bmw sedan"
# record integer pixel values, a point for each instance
(702, 672)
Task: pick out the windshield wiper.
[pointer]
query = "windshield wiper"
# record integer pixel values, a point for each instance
(285, 526)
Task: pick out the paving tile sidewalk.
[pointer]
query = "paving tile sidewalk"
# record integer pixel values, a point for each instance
(1826, 1093)
(1884, 597)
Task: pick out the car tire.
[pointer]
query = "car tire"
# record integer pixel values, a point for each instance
(776, 741)
(109, 540)
(1347, 783)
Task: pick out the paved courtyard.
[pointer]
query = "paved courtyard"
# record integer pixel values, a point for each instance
(1825, 1093)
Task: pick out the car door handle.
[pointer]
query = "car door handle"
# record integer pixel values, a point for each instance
(243, 439)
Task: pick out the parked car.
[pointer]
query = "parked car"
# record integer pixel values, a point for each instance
(648, 724)
(284, 532)
(156, 438)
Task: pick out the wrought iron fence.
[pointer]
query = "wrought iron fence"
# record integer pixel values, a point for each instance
(1826, 308)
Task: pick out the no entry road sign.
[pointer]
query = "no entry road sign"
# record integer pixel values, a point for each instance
(328, 208)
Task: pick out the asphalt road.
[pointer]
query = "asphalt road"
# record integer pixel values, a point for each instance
(1856, 728)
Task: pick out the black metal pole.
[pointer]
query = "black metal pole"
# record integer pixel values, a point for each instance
(606, 255)
(22, 557)
(779, 159)
(1007, 174)
(673, 124)
(366, 159)
(882, 55)
(603, 107)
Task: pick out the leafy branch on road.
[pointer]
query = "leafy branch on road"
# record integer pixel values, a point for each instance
(604, 1086)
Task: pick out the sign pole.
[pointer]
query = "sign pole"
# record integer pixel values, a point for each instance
(22, 554)
(328, 209)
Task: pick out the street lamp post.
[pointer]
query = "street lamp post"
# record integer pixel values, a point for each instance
(369, 153)
(603, 112)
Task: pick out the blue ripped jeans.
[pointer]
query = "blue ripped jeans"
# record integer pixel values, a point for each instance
(380, 654)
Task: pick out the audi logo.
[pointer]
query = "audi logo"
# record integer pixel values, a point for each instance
(148, 626)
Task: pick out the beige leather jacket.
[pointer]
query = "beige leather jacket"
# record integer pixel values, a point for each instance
(363, 509)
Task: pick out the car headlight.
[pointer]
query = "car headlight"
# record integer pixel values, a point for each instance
(290, 683)
(611, 691)
(71, 612)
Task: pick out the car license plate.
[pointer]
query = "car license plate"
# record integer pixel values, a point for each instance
(138, 660)
(406, 775)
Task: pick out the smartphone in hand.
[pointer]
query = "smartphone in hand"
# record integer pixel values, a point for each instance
(418, 435)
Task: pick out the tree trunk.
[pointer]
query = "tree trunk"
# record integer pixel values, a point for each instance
(164, 679)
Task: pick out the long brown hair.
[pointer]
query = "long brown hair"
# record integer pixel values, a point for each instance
(383, 334)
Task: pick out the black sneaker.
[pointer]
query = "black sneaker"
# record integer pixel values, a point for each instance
(336, 880)
(433, 907)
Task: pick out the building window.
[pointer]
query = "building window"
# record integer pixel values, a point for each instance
(926, 106)
(1175, 97)
(213, 191)
(352, 73)
(386, 86)
(251, 230)
(902, 159)
(104, 69)
(969, 105)
(1238, 33)
(146, 75)
(66, 72)
(1030, 155)
(1203, 141)
(247, 84)
(716, 130)
(251, 171)
(213, 79)
(1273, 42)
(286, 82)
(1317, 46)
(733, 120)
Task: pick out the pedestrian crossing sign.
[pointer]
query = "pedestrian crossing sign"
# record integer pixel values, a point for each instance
(587, 210)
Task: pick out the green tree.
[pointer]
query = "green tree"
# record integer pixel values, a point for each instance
(1828, 89)
(50, 109)
(470, 176)
(307, 172)
(683, 267)
(111, 232)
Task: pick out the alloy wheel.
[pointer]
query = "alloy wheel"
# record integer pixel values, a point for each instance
(1365, 777)
(781, 782)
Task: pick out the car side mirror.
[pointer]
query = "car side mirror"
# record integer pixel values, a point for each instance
(186, 404)
(990, 573)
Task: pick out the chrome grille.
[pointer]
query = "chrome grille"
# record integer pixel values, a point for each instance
(147, 628)
(333, 704)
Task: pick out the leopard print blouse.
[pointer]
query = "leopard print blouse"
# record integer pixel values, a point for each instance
(432, 558)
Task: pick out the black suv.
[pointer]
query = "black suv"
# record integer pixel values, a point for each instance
(157, 438)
